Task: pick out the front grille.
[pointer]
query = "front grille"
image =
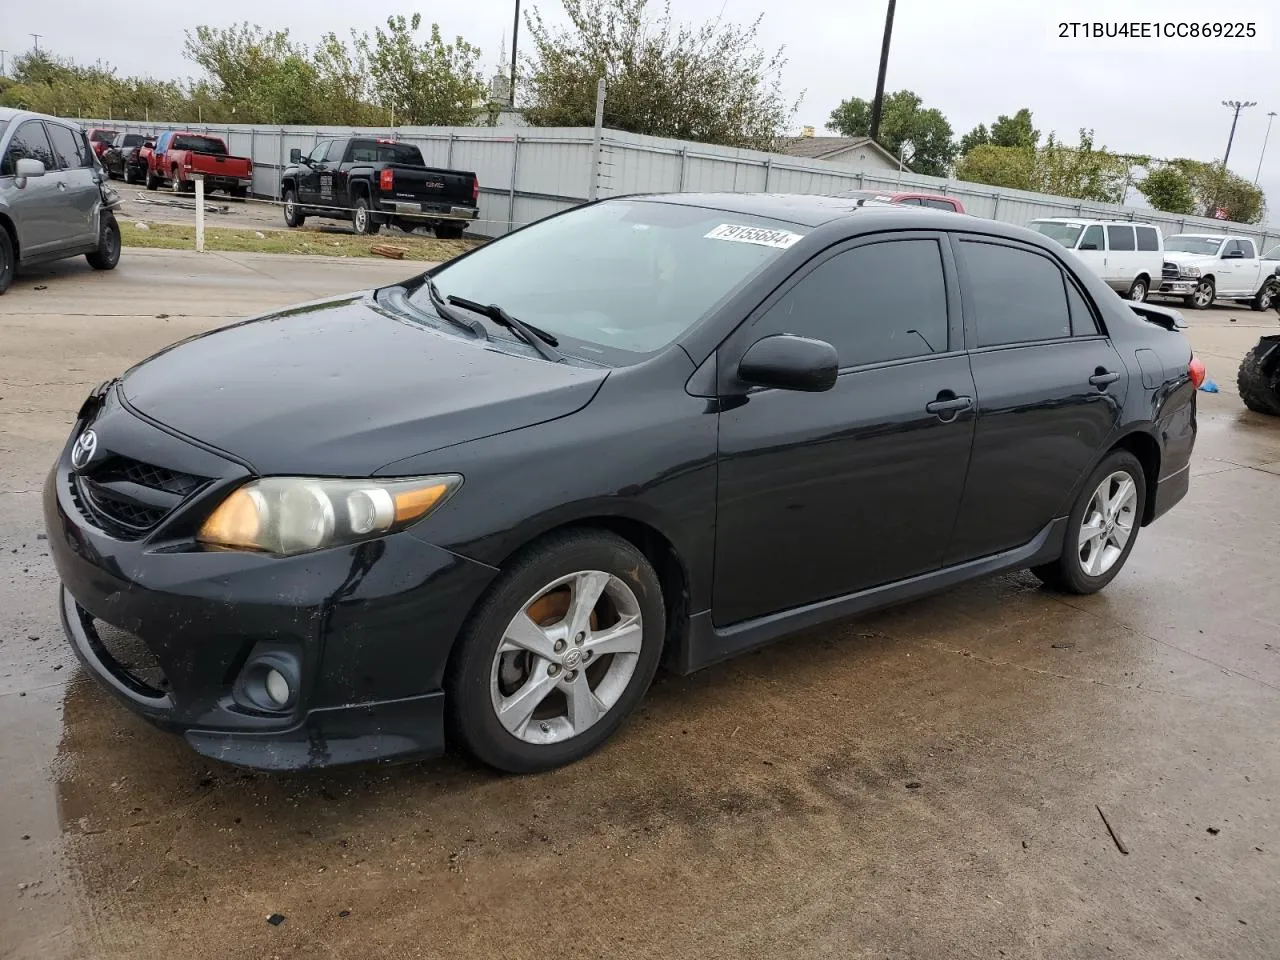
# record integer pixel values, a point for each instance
(1170, 271)
(130, 659)
(128, 498)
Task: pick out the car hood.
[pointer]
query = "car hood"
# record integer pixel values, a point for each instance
(1190, 259)
(341, 387)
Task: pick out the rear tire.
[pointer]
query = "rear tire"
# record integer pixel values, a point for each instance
(1266, 296)
(153, 182)
(1088, 564)
(8, 260)
(1138, 290)
(108, 253)
(1259, 392)
(449, 231)
(293, 216)
(362, 218)
(406, 226)
(562, 722)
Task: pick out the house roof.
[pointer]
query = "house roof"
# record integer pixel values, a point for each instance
(825, 148)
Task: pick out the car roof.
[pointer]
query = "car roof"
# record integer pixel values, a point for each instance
(1109, 223)
(1210, 236)
(9, 113)
(814, 210)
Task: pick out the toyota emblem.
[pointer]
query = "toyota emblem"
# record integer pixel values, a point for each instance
(86, 446)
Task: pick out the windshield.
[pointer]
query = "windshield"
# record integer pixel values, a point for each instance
(199, 145)
(132, 139)
(1206, 246)
(371, 151)
(103, 136)
(1272, 254)
(1065, 233)
(625, 274)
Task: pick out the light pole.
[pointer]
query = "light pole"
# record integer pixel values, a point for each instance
(878, 104)
(1265, 137)
(515, 43)
(36, 37)
(1237, 106)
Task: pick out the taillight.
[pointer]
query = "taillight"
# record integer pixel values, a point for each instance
(1196, 369)
(475, 191)
(387, 180)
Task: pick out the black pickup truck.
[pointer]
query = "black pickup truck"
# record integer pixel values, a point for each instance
(372, 182)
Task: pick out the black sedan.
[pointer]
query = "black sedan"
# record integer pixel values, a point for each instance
(483, 505)
(121, 158)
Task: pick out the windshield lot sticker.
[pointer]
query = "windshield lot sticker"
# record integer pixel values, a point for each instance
(737, 233)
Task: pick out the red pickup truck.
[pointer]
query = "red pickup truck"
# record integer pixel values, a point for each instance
(176, 157)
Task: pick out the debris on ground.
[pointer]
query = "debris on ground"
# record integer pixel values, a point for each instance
(344, 913)
(141, 226)
(259, 234)
(1112, 830)
(1063, 646)
(389, 251)
(40, 286)
(181, 204)
(276, 919)
(1214, 831)
(1209, 386)
(914, 785)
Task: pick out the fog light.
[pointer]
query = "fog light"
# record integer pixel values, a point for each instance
(278, 688)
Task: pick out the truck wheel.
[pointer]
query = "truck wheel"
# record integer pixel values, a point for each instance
(1266, 296)
(1137, 290)
(449, 231)
(108, 253)
(292, 214)
(1203, 295)
(153, 182)
(407, 226)
(362, 218)
(8, 260)
(175, 184)
(1259, 389)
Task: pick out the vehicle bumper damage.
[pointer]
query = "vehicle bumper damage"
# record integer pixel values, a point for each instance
(274, 663)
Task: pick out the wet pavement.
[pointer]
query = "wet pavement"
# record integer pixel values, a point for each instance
(919, 783)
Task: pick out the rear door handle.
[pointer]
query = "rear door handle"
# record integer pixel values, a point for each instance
(1102, 378)
(947, 408)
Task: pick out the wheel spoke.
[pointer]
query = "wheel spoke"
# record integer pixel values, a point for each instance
(1125, 492)
(1097, 548)
(587, 588)
(1090, 530)
(584, 707)
(624, 637)
(523, 634)
(516, 711)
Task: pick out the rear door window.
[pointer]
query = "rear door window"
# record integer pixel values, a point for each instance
(28, 142)
(1017, 296)
(1093, 238)
(940, 205)
(1120, 238)
(1148, 239)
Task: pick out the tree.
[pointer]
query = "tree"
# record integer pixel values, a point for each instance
(708, 83)
(1013, 168)
(427, 82)
(1167, 188)
(925, 133)
(1213, 187)
(979, 136)
(1083, 171)
(1007, 131)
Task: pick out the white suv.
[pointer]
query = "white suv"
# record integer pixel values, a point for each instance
(1128, 256)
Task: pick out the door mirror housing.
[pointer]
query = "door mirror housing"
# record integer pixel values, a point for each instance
(787, 362)
(24, 169)
(1088, 246)
(295, 155)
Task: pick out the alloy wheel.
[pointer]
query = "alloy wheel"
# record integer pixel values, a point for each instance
(1108, 523)
(1202, 296)
(566, 657)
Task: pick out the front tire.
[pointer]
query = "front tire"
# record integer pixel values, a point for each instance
(1259, 390)
(1138, 290)
(1102, 527)
(362, 218)
(558, 654)
(293, 216)
(108, 253)
(1203, 296)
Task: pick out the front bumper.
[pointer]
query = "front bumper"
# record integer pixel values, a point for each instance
(369, 626)
(1181, 287)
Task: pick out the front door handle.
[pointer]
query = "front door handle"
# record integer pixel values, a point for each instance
(948, 406)
(1102, 378)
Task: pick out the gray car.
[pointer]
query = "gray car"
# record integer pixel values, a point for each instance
(53, 202)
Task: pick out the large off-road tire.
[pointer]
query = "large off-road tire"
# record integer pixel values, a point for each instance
(1102, 527)
(557, 654)
(8, 260)
(362, 218)
(1259, 390)
(293, 216)
(108, 253)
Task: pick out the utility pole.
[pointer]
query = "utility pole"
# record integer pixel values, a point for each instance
(878, 104)
(2, 53)
(1267, 136)
(36, 37)
(515, 43)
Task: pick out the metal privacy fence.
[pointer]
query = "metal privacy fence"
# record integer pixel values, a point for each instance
(529, 173)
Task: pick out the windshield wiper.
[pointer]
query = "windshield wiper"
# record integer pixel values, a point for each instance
(442, 308)
(540, 340)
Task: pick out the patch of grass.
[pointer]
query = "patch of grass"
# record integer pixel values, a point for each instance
(170, 236)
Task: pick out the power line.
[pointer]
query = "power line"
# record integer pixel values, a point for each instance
(1267, 136)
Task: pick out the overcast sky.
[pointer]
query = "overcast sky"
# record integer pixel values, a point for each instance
(973, 59)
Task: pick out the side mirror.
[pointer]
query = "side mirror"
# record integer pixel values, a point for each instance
(25, 168)
(790, 363)
(295, 155)
(1088, 246)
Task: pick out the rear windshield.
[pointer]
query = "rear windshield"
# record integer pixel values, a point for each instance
(371, 151)
(199, 145)
(1206, 246)
(133, 139)
(1065, 233)
(103, 136)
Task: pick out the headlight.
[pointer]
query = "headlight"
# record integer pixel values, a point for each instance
(288, 515)
(1191, 271)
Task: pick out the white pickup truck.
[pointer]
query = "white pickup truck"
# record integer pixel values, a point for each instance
(1203, 267)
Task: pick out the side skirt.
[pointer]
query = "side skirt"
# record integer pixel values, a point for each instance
(704, 643)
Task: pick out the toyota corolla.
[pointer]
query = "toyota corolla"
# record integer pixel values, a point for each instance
(482, 506)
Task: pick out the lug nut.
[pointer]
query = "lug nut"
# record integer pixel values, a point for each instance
(579, 638)
(571, 676)
(587, 655)
(559, 646)
(553, 669)
(544, 727)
